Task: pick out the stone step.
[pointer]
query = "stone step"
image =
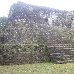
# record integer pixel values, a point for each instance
(64, 56)
(61, 62)
(61, 56)
(70, 60)
(67, 48)
(59, 46)
(67, 55)
(57, 54)
(61, 50)
(64, 61)
(71, 52)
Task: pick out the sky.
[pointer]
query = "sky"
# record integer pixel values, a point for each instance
(57, 4)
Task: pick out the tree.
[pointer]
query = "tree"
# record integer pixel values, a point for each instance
(3, 24)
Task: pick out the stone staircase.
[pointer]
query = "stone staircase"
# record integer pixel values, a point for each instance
(61, 53)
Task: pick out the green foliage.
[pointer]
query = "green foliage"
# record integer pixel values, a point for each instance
(9, 53)
(3, 21)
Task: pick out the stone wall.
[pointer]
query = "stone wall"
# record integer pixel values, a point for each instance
(21, 54)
